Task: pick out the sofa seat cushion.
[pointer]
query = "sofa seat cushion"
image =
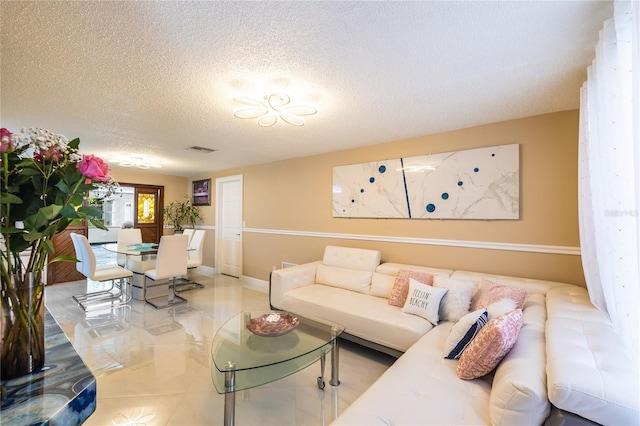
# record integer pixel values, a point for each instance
(421, 388)
(589, 371)
(370, 318)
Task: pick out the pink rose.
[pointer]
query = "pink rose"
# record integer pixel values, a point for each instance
(94, 168)
(6, 141)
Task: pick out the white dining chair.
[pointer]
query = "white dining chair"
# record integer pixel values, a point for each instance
(188, 232)
(171, 263)
(125, 238)
(86, 265)
(194, 260)
(137, 264)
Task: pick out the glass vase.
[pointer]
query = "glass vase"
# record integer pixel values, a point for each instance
(22, 322)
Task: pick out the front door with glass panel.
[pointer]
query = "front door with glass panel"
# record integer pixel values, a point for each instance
(148, 212)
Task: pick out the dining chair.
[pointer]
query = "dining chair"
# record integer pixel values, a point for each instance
(86, 265)
(171, 263)
(137, 264)
(125, 238)
(188, 232)
(194, 260)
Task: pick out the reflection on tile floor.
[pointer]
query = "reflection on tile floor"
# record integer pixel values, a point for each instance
(152, 366)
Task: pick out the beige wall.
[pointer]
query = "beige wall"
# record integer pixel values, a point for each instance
(295, 195)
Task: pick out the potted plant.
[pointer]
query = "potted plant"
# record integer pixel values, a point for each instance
(178, 214)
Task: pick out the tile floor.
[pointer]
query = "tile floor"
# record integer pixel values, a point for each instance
(152, 367)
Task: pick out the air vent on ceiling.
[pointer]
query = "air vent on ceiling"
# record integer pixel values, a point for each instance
(201, 149)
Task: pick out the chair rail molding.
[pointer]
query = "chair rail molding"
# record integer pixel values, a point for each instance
(486, 245)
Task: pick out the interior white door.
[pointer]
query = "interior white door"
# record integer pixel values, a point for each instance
(230, 226)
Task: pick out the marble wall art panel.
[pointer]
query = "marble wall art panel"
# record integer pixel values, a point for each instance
(369, 190)
(482, 183)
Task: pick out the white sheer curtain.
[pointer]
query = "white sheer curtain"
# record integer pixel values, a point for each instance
(609, 174)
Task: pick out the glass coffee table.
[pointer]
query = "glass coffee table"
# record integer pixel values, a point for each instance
(280, 345)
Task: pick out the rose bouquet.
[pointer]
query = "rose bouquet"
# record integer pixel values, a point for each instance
(43, 183)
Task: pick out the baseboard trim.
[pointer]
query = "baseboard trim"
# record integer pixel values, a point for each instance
(259, 285)
(485, 245)
(206, 269)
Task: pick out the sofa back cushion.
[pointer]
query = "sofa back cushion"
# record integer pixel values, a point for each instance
(391, 268)
(530, 285)
(349, 279)
(351, 258)
(381, 284)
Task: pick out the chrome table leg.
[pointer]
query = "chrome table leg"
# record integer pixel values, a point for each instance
(335, 360)
(320, 380)
(230, 394)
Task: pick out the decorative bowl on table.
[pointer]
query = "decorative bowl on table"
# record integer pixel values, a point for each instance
(273, 324)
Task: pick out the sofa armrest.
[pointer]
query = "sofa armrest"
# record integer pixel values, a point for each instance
(283, 280)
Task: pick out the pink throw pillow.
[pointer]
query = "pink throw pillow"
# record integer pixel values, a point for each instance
(400, 288)
(492, 343)
(489, 292)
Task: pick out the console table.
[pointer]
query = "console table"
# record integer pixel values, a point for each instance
(63, 392)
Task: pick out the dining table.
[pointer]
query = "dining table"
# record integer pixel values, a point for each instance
(147, 252)
(138, 249)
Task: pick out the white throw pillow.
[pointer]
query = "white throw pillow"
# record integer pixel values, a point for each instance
(455, 304)
(463, 332)
(501, 307)
(423, 300)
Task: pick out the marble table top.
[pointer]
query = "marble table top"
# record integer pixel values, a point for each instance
(63, 392)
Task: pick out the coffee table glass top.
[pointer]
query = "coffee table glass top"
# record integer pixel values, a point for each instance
(257, 360)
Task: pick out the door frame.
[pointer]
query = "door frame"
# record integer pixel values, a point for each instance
(219, 223)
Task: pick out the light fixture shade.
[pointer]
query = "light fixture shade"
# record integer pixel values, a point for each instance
(274, 106)
(138, 162)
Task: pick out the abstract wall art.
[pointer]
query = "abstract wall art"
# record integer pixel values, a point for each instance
(482, 183)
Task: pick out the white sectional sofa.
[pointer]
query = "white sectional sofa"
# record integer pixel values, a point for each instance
(568, 365)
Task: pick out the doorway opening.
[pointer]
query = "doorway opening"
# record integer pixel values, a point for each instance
(131, 206)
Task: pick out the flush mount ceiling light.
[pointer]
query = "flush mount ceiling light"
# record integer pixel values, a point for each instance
(273, 106)
(138, 162)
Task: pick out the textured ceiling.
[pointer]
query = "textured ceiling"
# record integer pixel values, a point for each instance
(153, 78)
